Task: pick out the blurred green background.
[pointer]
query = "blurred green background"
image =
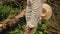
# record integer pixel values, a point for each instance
(10, 8)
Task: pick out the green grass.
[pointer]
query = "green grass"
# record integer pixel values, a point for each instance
(7, 11)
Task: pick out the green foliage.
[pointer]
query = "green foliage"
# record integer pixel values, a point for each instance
(10, 9)
(7, 12)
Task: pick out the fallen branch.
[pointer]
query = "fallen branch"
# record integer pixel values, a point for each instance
(12, 21)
